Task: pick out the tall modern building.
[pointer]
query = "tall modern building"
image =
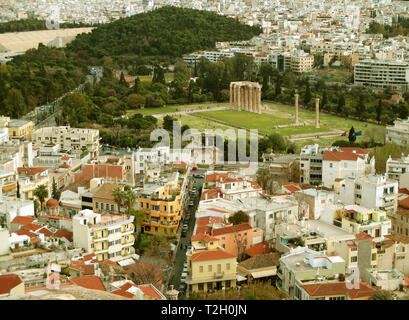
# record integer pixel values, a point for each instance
(382, 74)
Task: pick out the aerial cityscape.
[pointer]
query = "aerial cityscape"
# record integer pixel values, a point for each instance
(204, 150)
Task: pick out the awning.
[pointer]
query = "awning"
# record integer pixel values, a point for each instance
(263, 273)
(241, 278)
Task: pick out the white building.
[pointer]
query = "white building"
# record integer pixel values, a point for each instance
(346, 162)
(398, 133)
(108, 236)
(372, 191)
(70, 140)
(383, 74)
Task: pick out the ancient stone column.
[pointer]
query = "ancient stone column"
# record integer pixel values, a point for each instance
(246, 98)
(296, 108)
(251, 98)
(258, 99)
(238, 98)
(231, 95)
(317, 113)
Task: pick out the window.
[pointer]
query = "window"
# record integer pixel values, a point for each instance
(200, 287)
(330, 164)
(354, 259)
(209, 268)
(345, 165)
(96, 205)
(102, 206)
(219, 268)
(227, 266)
(201, 269)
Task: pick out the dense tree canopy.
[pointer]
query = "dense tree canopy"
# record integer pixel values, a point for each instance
(167, 31)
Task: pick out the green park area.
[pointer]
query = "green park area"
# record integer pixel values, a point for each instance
(175, 108)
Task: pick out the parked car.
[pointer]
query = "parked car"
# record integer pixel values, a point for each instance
(191, 203)
(183, 276)
(194, 168)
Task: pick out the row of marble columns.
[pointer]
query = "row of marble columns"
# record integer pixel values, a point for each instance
(245, 96)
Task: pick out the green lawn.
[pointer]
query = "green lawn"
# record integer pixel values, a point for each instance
(328, 121)
(175, 108)
(263, 122)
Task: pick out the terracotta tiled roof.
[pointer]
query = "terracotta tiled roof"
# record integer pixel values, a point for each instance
(404, 203)
(232, 229)
(8, 282)
(208, 220)
(260, 248)
(262, 261)
(203, 237)
(30, 227)
(290, 187)
(45, 232)
(352, 149)
(30, 171)
(403, 190)
(65, 158)
(339, 288)
(149, 290)
(62, 233)
(203, 229)
(339, 156)
(23, 220)
(91, 282)
(398, 238)
(362, 236)
(211, 194)
(84, 269)
(211, 255)
(105, 191)
(26, 233)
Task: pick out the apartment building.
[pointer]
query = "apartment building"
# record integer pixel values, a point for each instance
(345, 162)
(69, 140)
(302, 265)
(398, 133)
(360, 253)
(108, 236)
(162, 203)
(8, 183)
(382, 74)
(397, 169)
(393, 253)
(357, 219)
(301, 62)
(30, 178)
(238, 238)
(209, 267)
(371, 191)
(315, 200)
(271, 211)
(311, 164)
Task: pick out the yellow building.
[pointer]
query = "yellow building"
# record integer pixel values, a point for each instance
(103, 200)
(108, 236)
(209, 267)
(19, 129)
(163, 208)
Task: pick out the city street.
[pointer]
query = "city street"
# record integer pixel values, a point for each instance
(184, 242)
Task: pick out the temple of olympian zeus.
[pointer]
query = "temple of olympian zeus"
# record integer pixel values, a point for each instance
(246, 96)
(317, 111)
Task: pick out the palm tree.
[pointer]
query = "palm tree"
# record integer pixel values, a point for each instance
(129, 198)
(41, 192)
(382, 295)
(118, 195)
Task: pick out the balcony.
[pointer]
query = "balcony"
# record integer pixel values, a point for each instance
(130, 241)
(218, 275)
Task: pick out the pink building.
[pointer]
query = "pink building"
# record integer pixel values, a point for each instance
(238, 238)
